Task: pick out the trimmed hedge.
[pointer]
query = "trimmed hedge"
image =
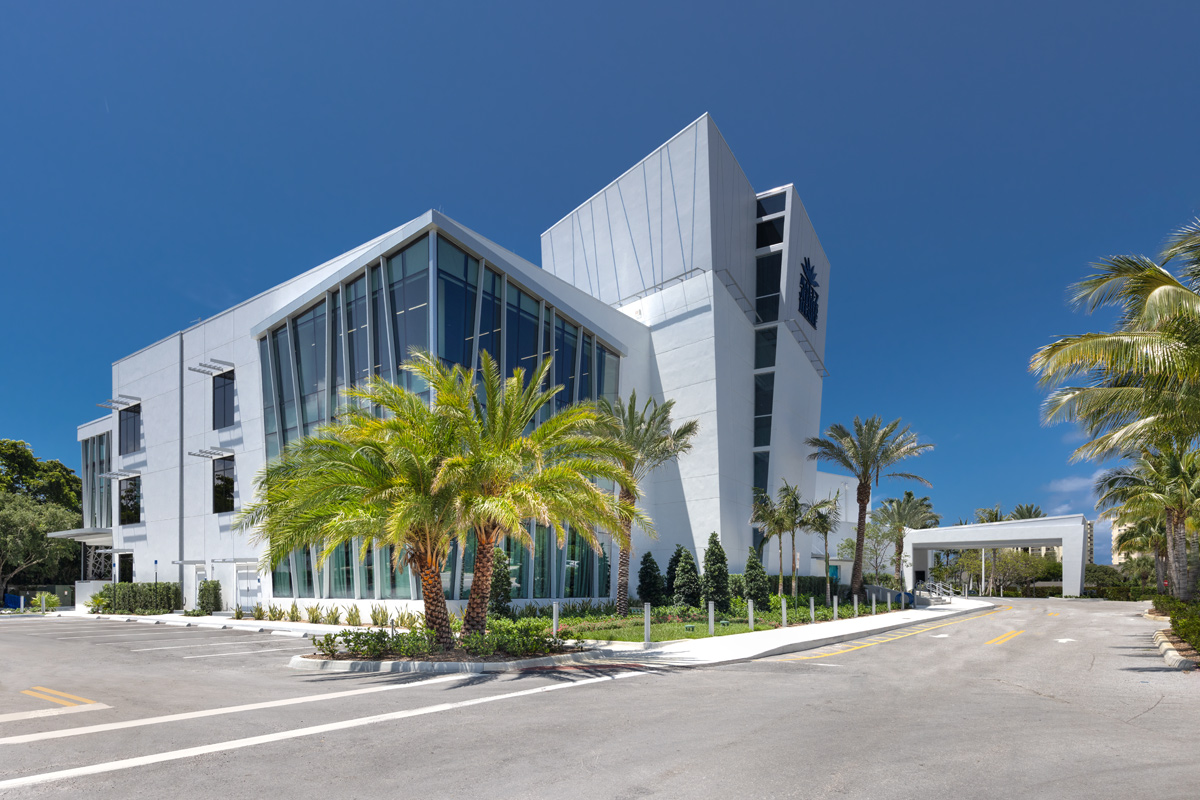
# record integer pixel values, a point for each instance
(130, 597)
(210, 596)
(1185, 618)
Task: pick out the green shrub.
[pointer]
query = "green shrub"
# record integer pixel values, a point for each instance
(293, 614)
(651, 587)
(379, 615)
(238, 613)
(275, 613)
(409, 619)
(715, 583)
(353, 617)
(210, 597)
(757, 587)
(314, 613)
(737, 586)
(333, 616)
(500, 595)
(687, 581)
(101, 601)
(327, 644)
(51, 601)
(195, 612)
(259, 611)
(126, 597)
(672, 566)
(805, 584)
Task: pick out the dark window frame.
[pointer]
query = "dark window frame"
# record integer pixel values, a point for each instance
(129, 494)
(130, 428)
(223, 405)
(224, 485)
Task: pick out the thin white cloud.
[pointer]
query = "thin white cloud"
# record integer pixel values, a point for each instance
(1065, 508)
(1076, 483)
(1075, 437)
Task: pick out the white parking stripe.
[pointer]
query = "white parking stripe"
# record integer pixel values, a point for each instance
(224, 641)
(236, 744)
(214, 712)
(252, 652)
(51, 712)
(110, 635)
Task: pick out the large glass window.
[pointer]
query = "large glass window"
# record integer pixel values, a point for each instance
(130, 499)
(769, 268)
(310, 364)
(772, 204)
(518, 566)
(97, 512)
(366, 573)
(341, 571)
(337, 341)
(281, 579)
(131, 429)
(379, 338)
(359, 368)
(521, 333)
(223, 483)
(491, 316)
(468, 568)
(604, 580)
(585, 370)
(765, 342)
(223, 400)
(448, 570)
(408, 281)
(458, 280)
(762, 463)
(270, 422)
(544, 549)
(607, 371)
(764, 395)
(566, 343)
(286, 390)
(304, 573)
(770, 232)
(396, 581)
(579, 563)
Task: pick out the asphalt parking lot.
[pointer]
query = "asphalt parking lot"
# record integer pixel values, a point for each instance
(1033, 698)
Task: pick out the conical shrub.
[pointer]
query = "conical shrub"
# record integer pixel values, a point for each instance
(715, 582)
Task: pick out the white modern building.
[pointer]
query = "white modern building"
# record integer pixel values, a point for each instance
(678, 279)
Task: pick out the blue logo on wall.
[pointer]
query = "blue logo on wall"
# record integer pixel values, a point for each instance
(810, 301)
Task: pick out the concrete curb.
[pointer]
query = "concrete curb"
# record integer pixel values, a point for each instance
(1171, 654)
(436, 667)
(1156, 617)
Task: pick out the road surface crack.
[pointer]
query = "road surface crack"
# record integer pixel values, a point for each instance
(1148, 710)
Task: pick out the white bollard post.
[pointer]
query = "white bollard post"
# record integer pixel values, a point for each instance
(835, 614)
(856, 605)
(812, 609)
(554, 624)
(902, 598)
(43, 604)
(750, 604)
(712, 610)
(872, 605)
(783, 608)
(646, 613)
(889, 599)
(22, 602)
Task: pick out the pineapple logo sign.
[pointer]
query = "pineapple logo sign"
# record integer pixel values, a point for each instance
(810, 301)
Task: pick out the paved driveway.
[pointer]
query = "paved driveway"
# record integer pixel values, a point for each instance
(1044, 698)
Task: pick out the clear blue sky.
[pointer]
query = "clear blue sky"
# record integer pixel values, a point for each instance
(962, 165)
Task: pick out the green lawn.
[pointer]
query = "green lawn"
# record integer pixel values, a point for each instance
(633, 631)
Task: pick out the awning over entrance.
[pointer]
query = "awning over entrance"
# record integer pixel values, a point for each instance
(1070, 532)
(92, 537)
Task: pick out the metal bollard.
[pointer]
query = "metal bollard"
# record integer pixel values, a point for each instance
(856, 605)
(835, 614)
(889, 599)
(646, 612)
(750, 604)
(872, 605)
(554, 624)
(812, 609)
(902, 601)
(43, 604)
(783, 608)
(711, 618)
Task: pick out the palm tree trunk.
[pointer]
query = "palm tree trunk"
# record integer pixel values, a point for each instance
(794, 563)
(899, 558)
(433, 597)
(780, 538)
(856, 576)
(623, 561)
(828, 600)
(1177, 555)
(475, 618)
(1160, 572)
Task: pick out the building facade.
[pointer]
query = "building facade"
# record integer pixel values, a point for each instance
(678, 281)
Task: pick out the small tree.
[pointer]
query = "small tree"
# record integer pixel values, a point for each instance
(687, 581)
(715, 583)
(500, 592)
(758, 588)
(672, 566)
(650, 581)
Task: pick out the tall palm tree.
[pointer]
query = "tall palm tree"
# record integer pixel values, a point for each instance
(901, 514)
(1144, 536)
(368, 477)
(508, 470)
(866, 452)
(650, 441)
(823, 518)
(1163, 482)
(1026, 511)
(798, 514)
(775, 519)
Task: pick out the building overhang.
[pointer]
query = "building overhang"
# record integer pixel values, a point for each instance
(92, 537)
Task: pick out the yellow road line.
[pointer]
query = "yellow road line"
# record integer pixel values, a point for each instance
(64, 694)
(48, 697)
(1052, 614)
(922, 629)
(1005, 637)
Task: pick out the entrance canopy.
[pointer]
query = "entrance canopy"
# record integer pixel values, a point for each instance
(92, 537)
(1069, 532)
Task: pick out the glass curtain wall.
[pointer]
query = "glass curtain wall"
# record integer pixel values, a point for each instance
(270, 423)
(309, 331)
(340, 565)
(336, 345)
(303, 566)
(366, 571)
(281, 579)
(521, 333)
(458, 281)
(566, 343)
(408, 283)
(380, 346)
(286, 390)
(491, 317)
(359, 368)
(396, 582)
(578, 568)
(519, 562)
(97, 512)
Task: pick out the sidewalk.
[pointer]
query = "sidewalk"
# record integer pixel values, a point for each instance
(760, 644)
(280, 627)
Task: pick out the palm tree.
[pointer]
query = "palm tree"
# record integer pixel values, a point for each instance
(1026, 511)
(775, 519)
(1145, 536)
(797, 513)
(823, 518)
(366, 477)
(866, 453)
(902, 514)
(1159, 482)
(508, 468)
(649, 441)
